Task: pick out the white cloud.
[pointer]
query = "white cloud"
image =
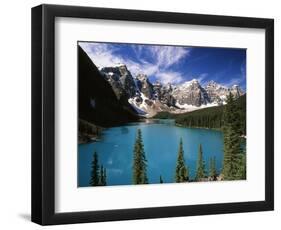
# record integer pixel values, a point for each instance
(201, 78)
(168, 55)
(169, 77)
(161, 59)
(142, 67)
(101, 54)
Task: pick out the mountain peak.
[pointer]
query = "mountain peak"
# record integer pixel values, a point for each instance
(141, 77)
(212, 82)
(120, 65)
(189, 83)
(157, 96)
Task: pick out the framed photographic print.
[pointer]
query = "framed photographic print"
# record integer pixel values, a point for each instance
(142, 114)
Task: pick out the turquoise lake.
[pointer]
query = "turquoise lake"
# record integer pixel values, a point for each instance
(161, 141)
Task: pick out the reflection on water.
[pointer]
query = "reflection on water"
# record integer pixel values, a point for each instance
(124, 130)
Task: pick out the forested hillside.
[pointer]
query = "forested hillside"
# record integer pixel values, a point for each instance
(209, 117)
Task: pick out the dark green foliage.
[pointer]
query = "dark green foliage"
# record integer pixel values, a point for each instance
(95, 171)
(140, 162)
(241, 174)
(161, 180)
(212, 169)
(181, 169)
(102, 176)
(144, 175)
(232, 162)
(88, 131)
(206, 118)
(98, 173)
(164, 115)
(88, 128)
(184, 174)
(211, 117)
(200, 171)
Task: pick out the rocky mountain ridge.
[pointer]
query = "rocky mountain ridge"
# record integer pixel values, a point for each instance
(149, 98)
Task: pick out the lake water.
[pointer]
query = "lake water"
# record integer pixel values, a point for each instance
(161, 141)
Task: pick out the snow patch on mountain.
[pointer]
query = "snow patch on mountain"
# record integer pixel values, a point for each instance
(148, 98)
(188, 107)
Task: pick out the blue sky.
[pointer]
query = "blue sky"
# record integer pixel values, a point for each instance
(173, 64)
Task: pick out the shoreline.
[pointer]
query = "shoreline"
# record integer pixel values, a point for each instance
(89, 138)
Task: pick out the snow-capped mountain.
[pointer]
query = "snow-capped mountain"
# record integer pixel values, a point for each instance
(217, 93)
(148, 98)
(191, 93)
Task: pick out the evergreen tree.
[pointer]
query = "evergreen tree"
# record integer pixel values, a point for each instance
(211, 117)
(241, 174)
(104, 176)
(95, 179)
(232, 141)
(144, 174)
(200, 171)
(161, 180)
(101, 176)
(212, 169)
(181, 169)
(184, 174)
(139, 161)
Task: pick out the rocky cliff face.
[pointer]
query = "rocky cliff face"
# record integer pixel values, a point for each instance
(217, 93)
(191, 93)
(103, 100)
(144, 85)
(148, 98)
(120, 79)
(164, 94)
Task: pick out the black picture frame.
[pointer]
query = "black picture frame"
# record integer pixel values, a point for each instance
(43, 114)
